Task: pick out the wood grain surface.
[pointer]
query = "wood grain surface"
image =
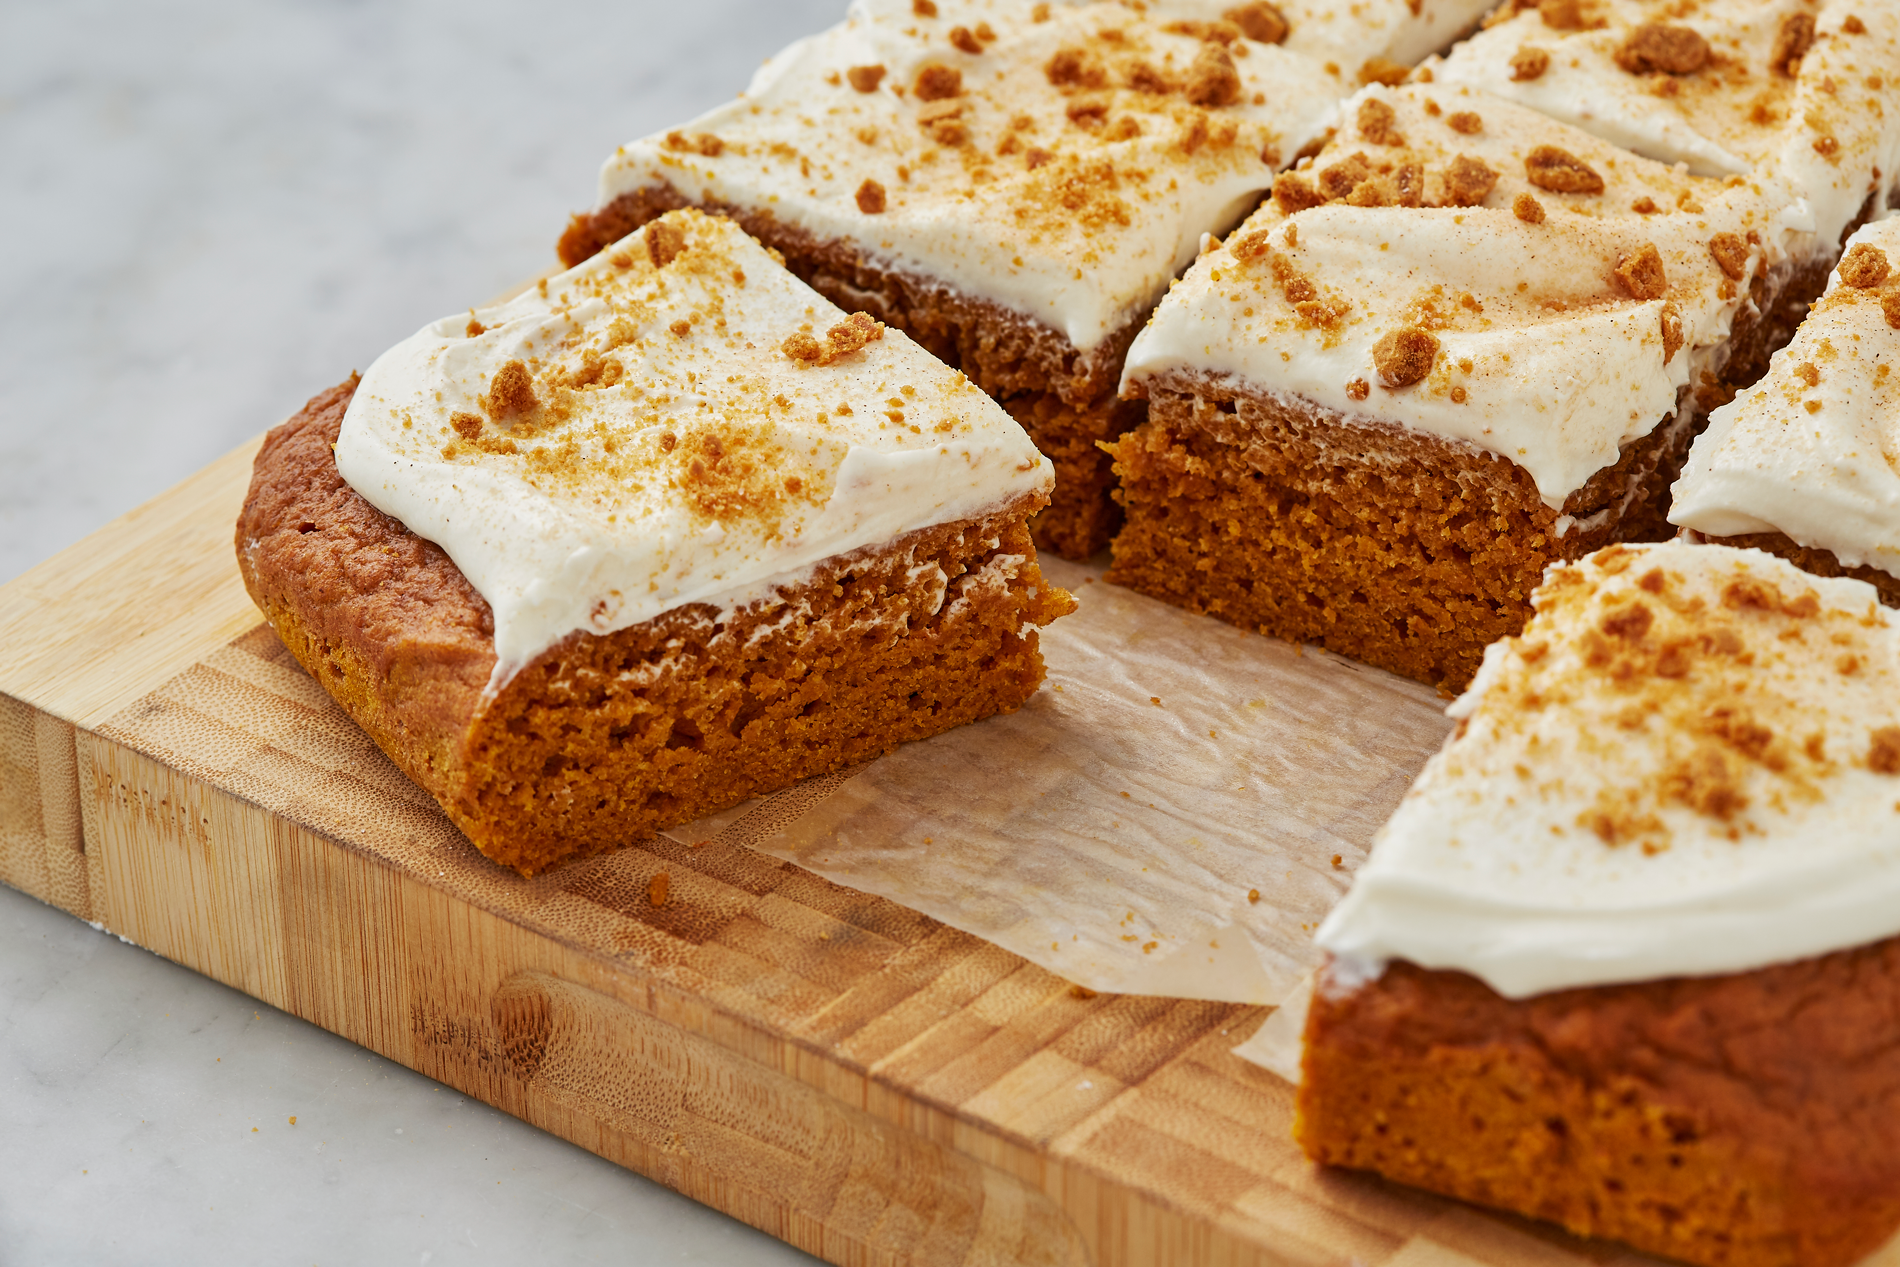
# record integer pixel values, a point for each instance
(846, 1074)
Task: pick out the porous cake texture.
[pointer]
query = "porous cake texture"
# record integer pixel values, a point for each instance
(666, 533)
(1625, 958)
(1802, 463)
(1462, 343)
(1015, 184)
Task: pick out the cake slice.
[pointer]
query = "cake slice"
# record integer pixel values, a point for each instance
(1456, 347)
(666, 532)
(1625, 957)
(1791, 89)
(1802, 464)
(1015, 184)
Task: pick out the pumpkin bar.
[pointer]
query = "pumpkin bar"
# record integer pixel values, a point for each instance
(664, 533)
(1799, 463)
(1625, 957)
(1457, 346)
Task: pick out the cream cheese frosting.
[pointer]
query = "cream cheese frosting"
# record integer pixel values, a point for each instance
(1813, 450)
(1060, 161)
(1688, 764)
(677, 420)
(1786, 88)
(1510, 247)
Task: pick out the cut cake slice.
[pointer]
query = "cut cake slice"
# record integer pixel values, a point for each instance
(1803, 463)
(1456, 347)
(1625, 957)
(664, 533)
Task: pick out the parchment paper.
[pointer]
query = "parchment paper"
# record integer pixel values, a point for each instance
(1113, 829)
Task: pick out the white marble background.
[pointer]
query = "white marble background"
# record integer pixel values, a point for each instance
(210, 212)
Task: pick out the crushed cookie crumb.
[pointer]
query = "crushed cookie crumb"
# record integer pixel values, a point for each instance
(1640, 273)
(942, 122)
(1883, 751)
(466, 425)
(848, 336)
(1469, 181)
(1890, 307)
(1378, 123)
(924, 8)
(1465, 122)
(1528, 209)
(474, 329)
(937, 82)
(1657, 46)
(1076, 68)
(865, 78)
(1212, 79)
(1529, 63)
(1852, 25)
(1792, 40)
(1358, 389)
(1730, 253)
(510, 392)
(1808, 373)
(1259, 21)
(871, 198)
(1560, 171)
(1672, 331)
(964, 40)
(1645, 206)
(1404, 357)
(1294, 193)
(704, 143)
(1864, 267)
(1561, 15)
(665, 242)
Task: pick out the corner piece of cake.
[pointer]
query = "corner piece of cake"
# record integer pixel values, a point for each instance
(1802, 464)
(1015, 184)
(1625, 957)
(1793, 89)
(666, 532)
(1459, 345)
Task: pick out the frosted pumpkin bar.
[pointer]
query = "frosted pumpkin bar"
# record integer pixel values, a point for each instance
(1625, 957)
(1792, 89)
(1803, 463)
(1456, 347)
(664, 533)
(1015, 184)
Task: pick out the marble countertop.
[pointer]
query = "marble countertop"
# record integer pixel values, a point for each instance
(214, 211)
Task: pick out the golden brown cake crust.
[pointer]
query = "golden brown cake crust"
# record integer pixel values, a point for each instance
(603, 739)
(1744, 1120)
(1065, 399)
(1389, 545)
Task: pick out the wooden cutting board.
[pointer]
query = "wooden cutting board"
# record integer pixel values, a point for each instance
(846, 1074)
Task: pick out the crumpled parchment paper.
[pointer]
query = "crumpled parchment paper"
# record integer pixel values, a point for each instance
(1172, 813)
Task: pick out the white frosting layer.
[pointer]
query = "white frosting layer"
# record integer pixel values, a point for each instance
(1818, 461)
(1072, 203)
(1738, 114)
(1543, 356)
(1685, 766)
(674, 453)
